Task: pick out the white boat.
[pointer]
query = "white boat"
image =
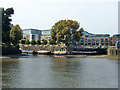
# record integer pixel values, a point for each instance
(60, 52)
(43, 52)
(28, 52)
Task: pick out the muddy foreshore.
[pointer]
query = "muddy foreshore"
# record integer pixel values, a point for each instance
(68, 56)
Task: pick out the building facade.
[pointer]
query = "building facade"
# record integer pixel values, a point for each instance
(32, 34)
(89, 39)
(46, 34)
(115, 38)
(35, 34)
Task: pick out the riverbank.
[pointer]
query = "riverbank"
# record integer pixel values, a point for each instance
(67, 56)
(105, 57)
(15, 56)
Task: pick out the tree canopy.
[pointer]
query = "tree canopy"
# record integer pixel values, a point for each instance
(6, 24)
(65, 31)
(15, 35)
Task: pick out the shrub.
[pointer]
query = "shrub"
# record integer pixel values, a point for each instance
(33, 42)
(22, 41)
(38, 42)
(45, 42)
(27, 42)
(51, 42)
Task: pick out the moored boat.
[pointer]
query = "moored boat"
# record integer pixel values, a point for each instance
(60, 52)
(75, 52)
(28, 52)
(84, 52)
(43, 52)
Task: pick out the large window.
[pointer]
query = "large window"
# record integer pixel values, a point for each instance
(89, 41)
(106, 40)
(33, 37)
(102, 40)
(97, 40)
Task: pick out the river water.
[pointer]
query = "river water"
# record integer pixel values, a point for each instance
(59, 72)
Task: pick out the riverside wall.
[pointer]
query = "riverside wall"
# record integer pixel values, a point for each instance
(43, 47)
(69, 49)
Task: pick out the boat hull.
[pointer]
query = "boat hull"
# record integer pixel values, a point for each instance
(28, 52)
(84, 52)
(60, 52)
(43, 52)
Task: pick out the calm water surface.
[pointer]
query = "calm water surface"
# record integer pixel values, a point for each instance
(59, 72)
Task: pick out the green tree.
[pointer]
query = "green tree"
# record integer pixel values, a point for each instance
(65, 31)
(15, 34)
(38, 42)
(45, 42)
(33, 42)
(6, 24)
(27, 42)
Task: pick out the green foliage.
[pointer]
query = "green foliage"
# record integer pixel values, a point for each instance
(65, 31)
(38, 42)
(111, 43)
(27, 42)
(45, 42)
(7, 50)
(22, 41)
(15, 35)
(51, 42)
(33, 42)
(6, 24)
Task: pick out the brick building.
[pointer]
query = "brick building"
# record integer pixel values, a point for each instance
(115, 38)
(90, 39)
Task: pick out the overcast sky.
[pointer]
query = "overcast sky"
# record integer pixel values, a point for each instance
(95, 16)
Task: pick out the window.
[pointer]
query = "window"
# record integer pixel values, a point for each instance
(33, 37)
(102, 39)
(106, 40)
(89, 40)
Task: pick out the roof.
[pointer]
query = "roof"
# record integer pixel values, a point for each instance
(116, 35)
(95, 35)
(32, 29)
(47, 30)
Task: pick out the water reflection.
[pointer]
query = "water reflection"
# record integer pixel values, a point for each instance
(59, 72)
